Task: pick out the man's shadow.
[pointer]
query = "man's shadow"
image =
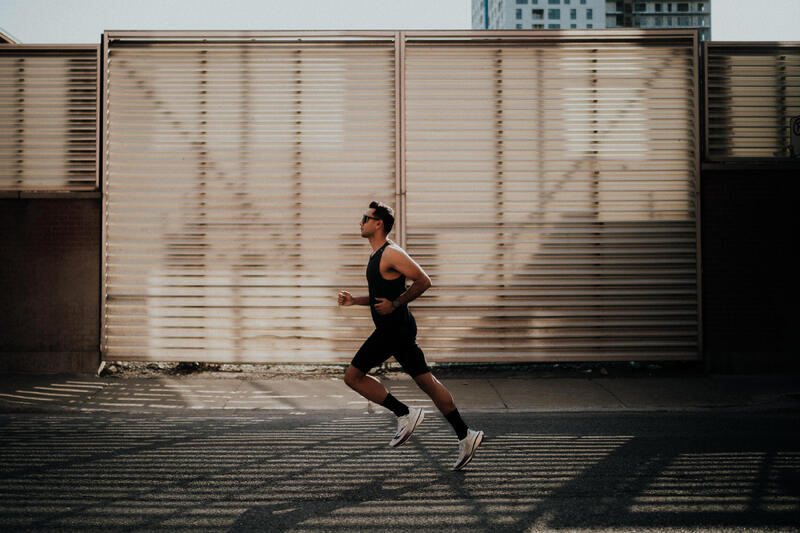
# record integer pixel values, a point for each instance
(288, 515)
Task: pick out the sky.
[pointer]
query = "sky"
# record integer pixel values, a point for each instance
(83, 21)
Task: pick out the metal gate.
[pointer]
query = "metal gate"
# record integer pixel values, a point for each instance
(546, 180)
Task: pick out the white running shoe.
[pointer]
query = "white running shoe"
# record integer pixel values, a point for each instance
(406, 425)
(467, 447)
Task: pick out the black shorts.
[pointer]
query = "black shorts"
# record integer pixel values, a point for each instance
(383, 344)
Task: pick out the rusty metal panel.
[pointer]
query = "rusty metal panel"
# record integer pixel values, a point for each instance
(752, 92)
(48, 117)
(236, 170)
(551, 193)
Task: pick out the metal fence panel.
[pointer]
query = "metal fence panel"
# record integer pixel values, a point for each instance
(235, 174)
(752, 92)
(48, 117)
(547, 182)
(552, 195)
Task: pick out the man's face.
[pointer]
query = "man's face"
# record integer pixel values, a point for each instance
(369, 224)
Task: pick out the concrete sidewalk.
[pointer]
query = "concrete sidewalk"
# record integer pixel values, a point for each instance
(197, 394)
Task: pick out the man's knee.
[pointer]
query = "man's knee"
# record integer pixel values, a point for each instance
(352, 376)
(426, 381)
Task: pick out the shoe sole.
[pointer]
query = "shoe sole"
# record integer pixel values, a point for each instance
(416, 423)
(471, 454)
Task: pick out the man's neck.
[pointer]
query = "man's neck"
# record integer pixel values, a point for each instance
(376, 241)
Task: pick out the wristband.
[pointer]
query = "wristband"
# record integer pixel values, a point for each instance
(395, 304)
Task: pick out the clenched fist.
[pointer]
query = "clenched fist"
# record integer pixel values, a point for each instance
(346, 299)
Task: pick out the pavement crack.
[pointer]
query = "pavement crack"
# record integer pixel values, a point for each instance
(505, 405)
(609, 391)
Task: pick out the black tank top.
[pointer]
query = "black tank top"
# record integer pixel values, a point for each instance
(389, 289)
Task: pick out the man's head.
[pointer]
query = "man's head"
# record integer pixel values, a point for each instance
(379, 217)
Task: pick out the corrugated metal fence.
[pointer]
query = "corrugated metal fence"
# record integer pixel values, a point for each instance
(753, 91)
(547, 184)
(235, 175)
(48, 117)
(552, 193)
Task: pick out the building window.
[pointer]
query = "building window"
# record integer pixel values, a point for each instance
(522, 2)
(659, 21)
(573, 26)
(683, 21)
(641, 7)
(683, 8)
(519, 26)
(553, 14)
(519, 14)
(553, 2)
(589, 13)
(537, 26)
(554, 26)
(590, 26)
(659, 8)
(701, 8)
(583, 2)
(573, 14)
(566, 2)
(537, 14)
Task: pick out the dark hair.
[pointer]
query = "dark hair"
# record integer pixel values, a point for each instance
(385, 213)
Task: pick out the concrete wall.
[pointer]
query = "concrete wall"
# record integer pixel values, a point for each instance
(749, 236)
(50, 282)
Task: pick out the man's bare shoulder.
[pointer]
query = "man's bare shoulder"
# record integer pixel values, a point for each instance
(394, 250)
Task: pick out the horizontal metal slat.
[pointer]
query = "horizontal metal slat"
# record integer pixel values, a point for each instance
(279, 140)
(534, 114)
(311, 326)
(752, 91)
(48, 117)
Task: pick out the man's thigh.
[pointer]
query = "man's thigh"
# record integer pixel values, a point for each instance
(374, 351)
(411, 358)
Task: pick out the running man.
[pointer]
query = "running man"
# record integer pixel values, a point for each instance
(396, 334)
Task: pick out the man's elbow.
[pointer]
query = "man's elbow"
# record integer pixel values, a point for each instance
(426, 282)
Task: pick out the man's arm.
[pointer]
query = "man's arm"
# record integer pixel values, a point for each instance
(346, 299)
(400, 261)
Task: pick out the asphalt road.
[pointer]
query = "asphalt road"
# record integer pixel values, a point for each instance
(328, 472)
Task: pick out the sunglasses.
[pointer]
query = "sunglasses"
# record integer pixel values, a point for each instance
(364, 218)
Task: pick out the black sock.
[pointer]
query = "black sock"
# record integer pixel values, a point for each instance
(395, 405)
(458, 424)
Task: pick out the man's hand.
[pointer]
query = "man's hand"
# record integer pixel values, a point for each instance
(383, 306)
(346, 299)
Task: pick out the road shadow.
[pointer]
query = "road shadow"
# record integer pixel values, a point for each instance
(322, 472)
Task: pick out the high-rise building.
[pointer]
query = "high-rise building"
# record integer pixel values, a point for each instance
(588, 14)
(538, 14)
(659, 14)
